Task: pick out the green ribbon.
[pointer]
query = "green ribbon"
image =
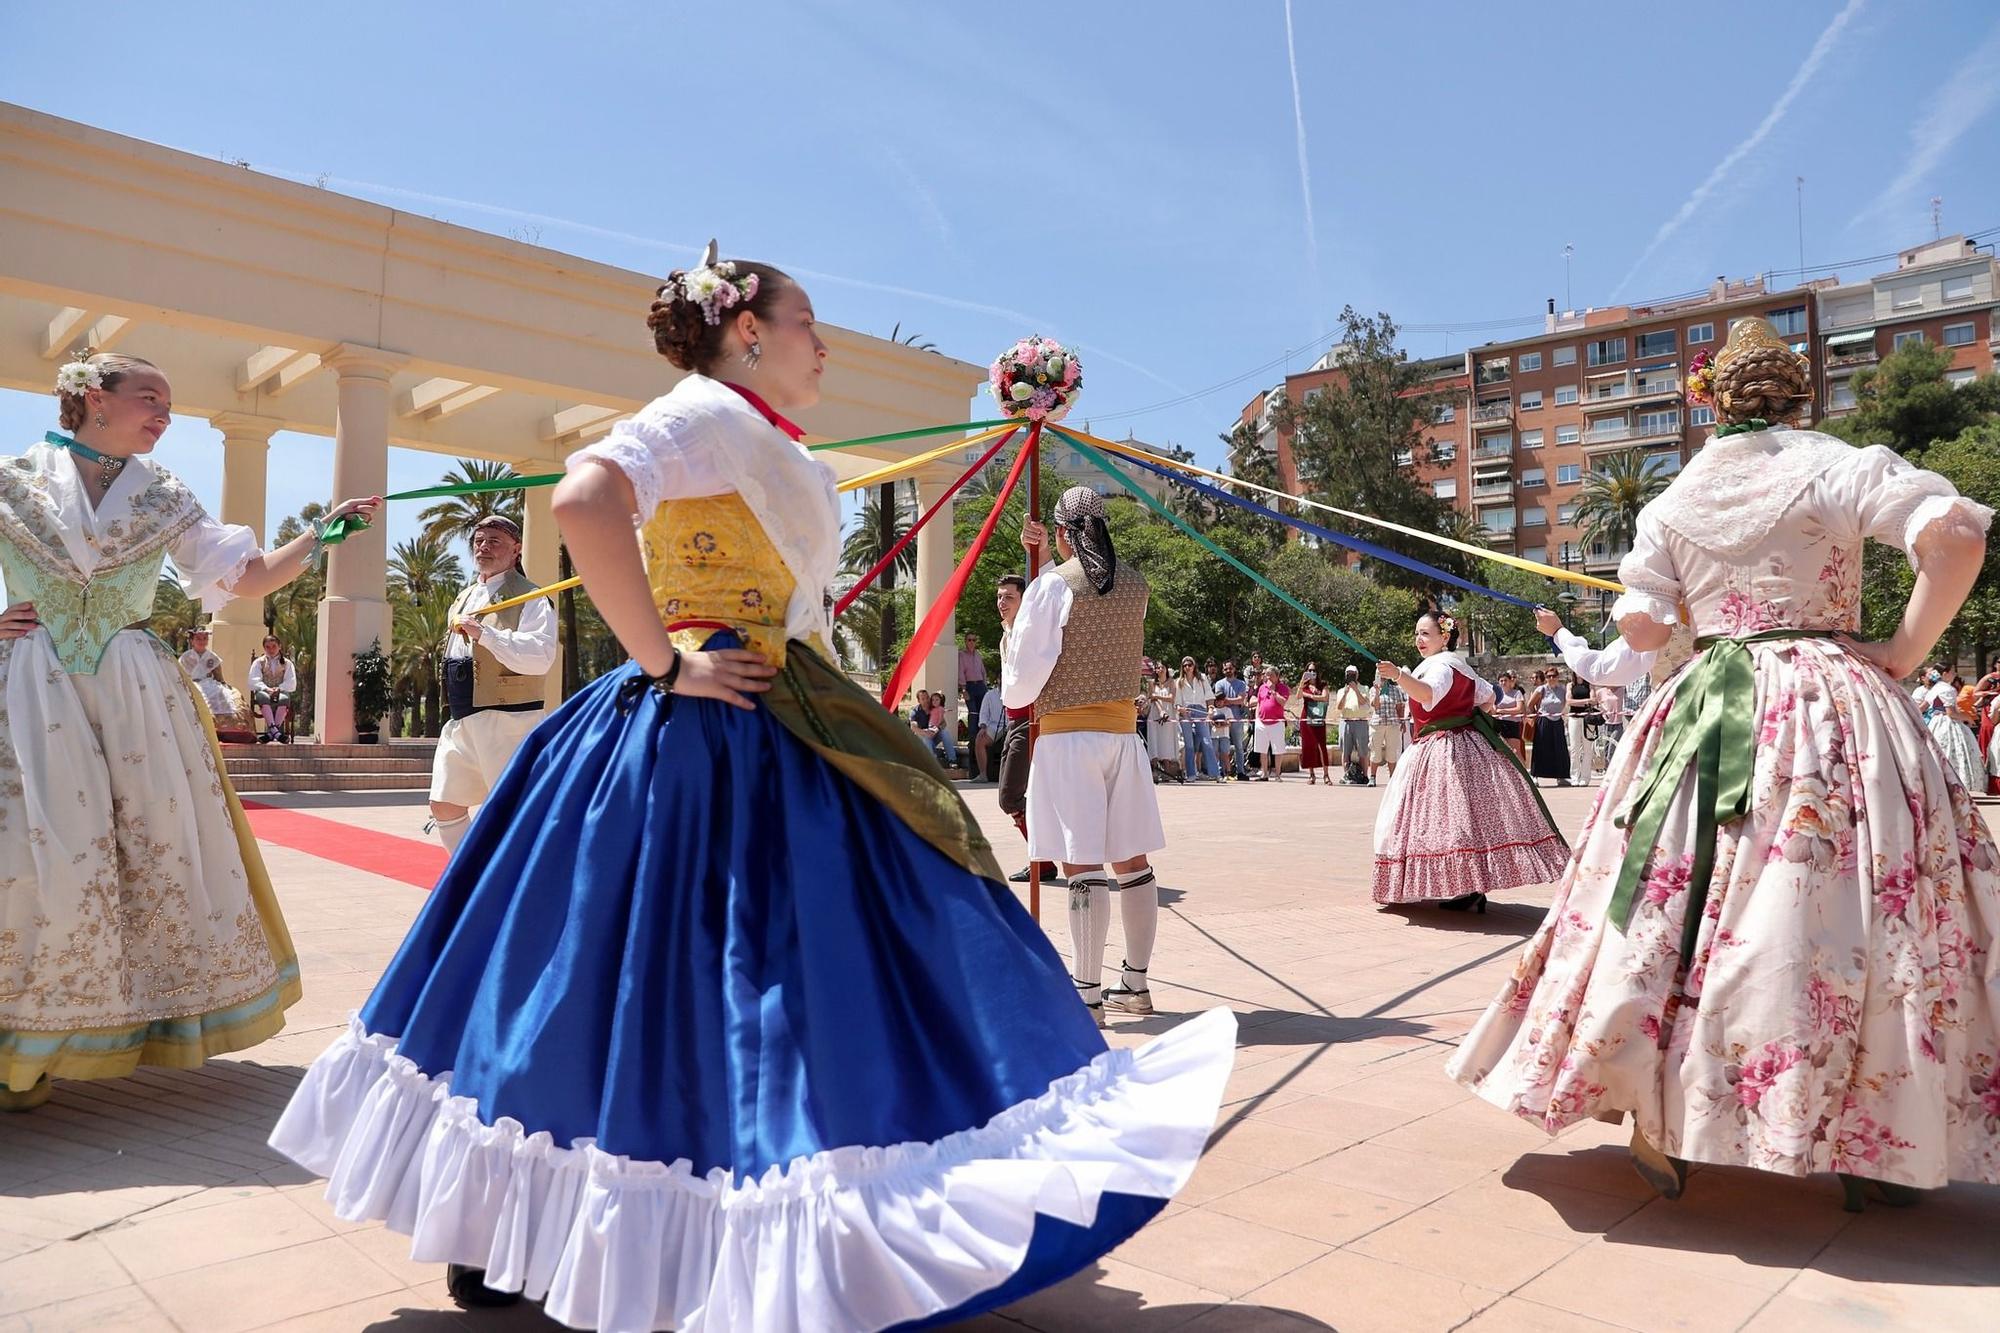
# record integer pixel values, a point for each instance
(1483, 724)
(1710, 725)
(916, 434)
(1742, 427)
(1139, 493)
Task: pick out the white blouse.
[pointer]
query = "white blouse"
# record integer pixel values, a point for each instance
(703, 438)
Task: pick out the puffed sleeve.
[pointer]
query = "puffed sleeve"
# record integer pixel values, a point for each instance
(1036, 640)
(1652, 584)
(1877, 493)
(209, 557)
(661, 454)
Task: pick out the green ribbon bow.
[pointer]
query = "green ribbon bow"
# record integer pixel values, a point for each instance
(1483, 724)
(1710, 725)
(1742, 427)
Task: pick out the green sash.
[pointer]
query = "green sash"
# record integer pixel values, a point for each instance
(1483, 724)
(1711, 726)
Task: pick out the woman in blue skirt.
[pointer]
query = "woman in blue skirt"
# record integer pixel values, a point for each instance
(723, 1017)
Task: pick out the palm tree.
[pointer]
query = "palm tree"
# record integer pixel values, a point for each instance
(422, 564)
(174, 612)
(417, 661)
(292, 613)
(916, 340)
(869, 540)
(1607, 508)
(458, 515)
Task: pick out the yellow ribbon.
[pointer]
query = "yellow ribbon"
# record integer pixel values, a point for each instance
(560, 585)
(915, 461)
(1498, 557)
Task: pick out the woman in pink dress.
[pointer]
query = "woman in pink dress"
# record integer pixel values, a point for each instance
(1461, 818)
(1776, 945)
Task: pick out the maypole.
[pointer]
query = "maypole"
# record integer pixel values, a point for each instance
(1034, 447)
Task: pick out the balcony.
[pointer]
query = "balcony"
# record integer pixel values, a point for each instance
(1628, 437)
(1607, 393)
(1485, 375)
(1494, 414)
(1599, 560)
(1658, 388)
(1500, 488)
(1497, 447)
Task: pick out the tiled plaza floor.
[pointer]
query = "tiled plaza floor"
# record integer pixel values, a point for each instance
(1349, 1184)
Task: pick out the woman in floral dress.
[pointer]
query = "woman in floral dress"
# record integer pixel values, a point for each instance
(1774, 947)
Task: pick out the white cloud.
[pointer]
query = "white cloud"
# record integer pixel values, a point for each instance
(1305, 167)
(1693, 203)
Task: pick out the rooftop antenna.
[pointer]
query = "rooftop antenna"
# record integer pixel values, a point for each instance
(1569, 253)
(1937, 217)
(1800, 181)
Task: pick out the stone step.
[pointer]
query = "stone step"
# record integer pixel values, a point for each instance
(332, 767)
(249, 784)
(422, 749)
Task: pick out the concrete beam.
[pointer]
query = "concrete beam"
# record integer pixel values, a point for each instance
(273, 370)
(61, 337)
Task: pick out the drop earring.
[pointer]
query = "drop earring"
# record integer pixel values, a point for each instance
(753, 355)
(100, 421)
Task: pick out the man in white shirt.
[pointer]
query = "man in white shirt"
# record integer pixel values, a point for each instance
(493, 669)
(1616, 663)
(991, 727)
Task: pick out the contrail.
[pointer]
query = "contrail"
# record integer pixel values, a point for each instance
(1814, 58)
(1305, 168)
(1966, 98)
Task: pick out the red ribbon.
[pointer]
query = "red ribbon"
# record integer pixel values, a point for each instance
(861, 584)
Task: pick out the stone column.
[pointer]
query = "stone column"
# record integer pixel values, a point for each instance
(539, 556)
(354, 612)
(934, 566)
(238, 628)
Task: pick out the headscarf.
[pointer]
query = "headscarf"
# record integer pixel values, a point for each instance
(1080, 513)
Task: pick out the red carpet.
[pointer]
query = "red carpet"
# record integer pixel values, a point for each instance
(415, 861)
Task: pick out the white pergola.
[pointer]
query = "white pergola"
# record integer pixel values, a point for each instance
(276, 307)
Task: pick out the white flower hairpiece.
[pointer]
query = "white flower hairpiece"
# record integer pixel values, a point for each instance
(76, 377)
(712, 285)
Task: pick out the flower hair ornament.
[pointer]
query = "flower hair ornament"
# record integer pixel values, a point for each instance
(1447, 623)
(1701, 380)
(712, 285)
(77, 377)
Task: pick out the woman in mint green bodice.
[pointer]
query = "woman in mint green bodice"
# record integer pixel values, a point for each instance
(137, 925)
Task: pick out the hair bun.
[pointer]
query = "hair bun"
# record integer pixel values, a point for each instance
(679, 331)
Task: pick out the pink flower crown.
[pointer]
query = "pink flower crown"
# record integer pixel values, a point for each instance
(712, 285)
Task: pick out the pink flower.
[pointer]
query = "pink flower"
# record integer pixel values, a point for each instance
(1668, 878)
(1742, 615)
(1757, 1077)
(1650, 1025)
(1989, 1094)
(1893, 896)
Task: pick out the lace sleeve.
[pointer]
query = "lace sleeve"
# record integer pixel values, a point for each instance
(210, 557)
(1652, 584)
(1878, 494)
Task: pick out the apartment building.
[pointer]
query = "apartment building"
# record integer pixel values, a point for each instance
(1943, 292)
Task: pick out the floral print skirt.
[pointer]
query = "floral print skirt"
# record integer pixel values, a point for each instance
(1841, 1011)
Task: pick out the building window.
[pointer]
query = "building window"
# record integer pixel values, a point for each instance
(1493, 446)
(1841, 397)
(1568, 434)
(1564, 356)
(1607, 351)
(1497, 518)
(1534, 476)
(1538, 554)
(1907, 297)
(1531, 439)
(1566, 514)
(1405, 457)
(1565, 394)
(1659, 423)
(1531, 399)
(1662, 465)
(1958, 379)
(1443, 413)
(1534, 516)
(1902, 340)
(1445, 488)
(1443, 451)
(1660, 342)
(1955, 335)
(1959, 288)
(1701, 416)
(1493, 371)
(1530, 361)
(1568, 474)
(1700, 333)
(1789, 323)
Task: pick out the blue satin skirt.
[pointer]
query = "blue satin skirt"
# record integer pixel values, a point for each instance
(676, 930)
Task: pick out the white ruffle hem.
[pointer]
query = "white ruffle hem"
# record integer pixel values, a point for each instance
(854, 1238)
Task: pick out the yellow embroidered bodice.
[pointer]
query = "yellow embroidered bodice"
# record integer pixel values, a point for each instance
(708, 559)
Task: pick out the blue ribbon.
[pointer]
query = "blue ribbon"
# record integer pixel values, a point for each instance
(1356, 544)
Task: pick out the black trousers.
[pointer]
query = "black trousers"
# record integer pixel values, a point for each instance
(1014, 769)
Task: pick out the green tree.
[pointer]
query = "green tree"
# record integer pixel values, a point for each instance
(1616, 489)
(292, 613)
(869, 539)
(1906, 402)
(1356, 440)
(422, 564)
(174, 613)
(422, 620)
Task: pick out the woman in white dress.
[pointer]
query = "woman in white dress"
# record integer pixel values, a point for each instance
(1958, 741)
(137, 925)
(1774, 946)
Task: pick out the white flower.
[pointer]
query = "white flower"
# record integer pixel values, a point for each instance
(1021, 393)
(78, 376)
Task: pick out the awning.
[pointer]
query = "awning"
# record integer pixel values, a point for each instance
(1851, 339)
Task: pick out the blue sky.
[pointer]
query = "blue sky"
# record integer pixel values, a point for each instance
(1186, 191)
